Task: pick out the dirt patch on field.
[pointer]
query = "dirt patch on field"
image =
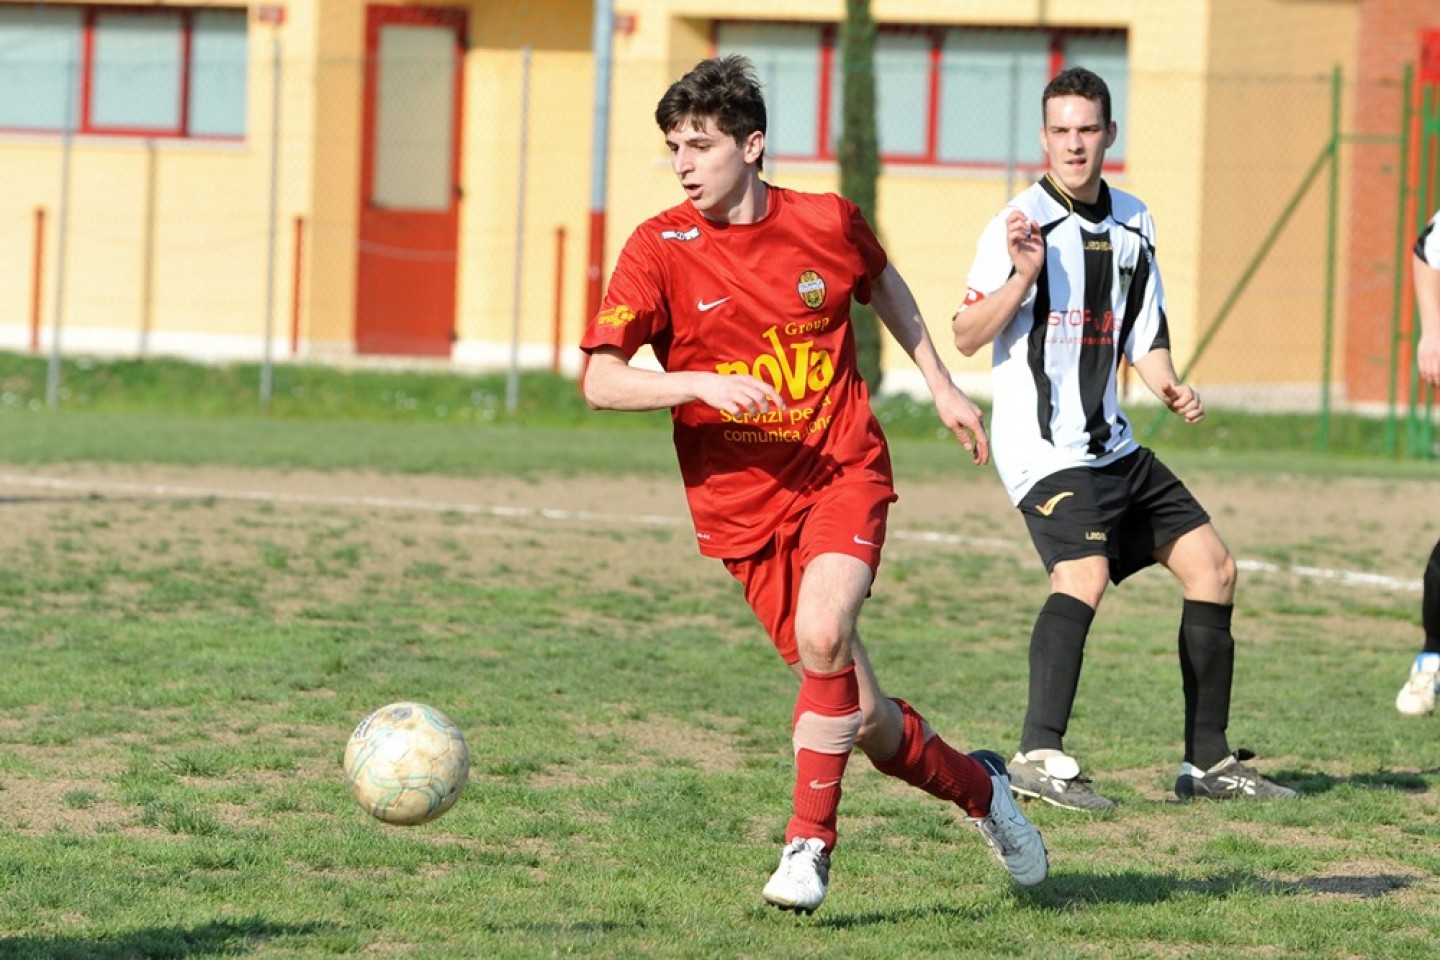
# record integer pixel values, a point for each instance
(1313, 527)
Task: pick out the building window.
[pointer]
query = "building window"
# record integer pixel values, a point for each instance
(944, 95)
(155, 72)
(789, 61)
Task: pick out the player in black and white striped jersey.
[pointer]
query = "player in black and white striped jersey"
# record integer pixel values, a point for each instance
(1063, 284)
(1417, 697)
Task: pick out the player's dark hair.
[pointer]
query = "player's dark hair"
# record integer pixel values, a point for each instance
(1078, 82)
(722, 89)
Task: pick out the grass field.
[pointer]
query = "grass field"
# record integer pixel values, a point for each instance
(200, 603)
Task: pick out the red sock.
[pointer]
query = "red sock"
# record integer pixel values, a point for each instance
(927, 762)
(827, 719)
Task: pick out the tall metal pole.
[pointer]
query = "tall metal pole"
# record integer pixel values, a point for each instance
(267, 366)
(604, 28)
(147, 253)
(52, 372)
(1332, 230)
(1421, 427)
(512, 381)
(1012, 134)
(1402, 231)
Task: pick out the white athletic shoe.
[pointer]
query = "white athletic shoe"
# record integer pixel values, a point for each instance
(799, 883)
(1013, 839)
(1417, 697)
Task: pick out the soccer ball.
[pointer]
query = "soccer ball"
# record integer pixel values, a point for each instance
(406, 763)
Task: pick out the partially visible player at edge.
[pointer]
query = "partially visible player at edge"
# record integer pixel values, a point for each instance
(743, 290)
(1063, 283)
(1417, 697)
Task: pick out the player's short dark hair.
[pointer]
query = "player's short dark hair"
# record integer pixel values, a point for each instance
(722, 89)
(1078, 82)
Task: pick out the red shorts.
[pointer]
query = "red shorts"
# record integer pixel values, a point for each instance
(847, 518)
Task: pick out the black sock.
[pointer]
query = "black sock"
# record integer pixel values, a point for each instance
(1057, 648)
(1430, 605)
(1207, 669)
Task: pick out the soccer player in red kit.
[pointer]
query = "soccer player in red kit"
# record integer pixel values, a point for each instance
(743, 292)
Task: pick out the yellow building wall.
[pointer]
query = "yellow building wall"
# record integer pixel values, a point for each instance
(335, 61)
(1267, 123)
(930, 218)
(165, 239)
(169, 244)
(169, 241)
(556, 139)
(556, 177)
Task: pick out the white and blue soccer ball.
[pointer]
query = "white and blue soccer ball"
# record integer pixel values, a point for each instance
(407, 763)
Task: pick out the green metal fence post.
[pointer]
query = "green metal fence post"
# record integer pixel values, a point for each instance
(1332, 230)
(1246, 275)
(1402, 232)
(1422, 425)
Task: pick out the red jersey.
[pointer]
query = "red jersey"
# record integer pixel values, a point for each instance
(770, 299)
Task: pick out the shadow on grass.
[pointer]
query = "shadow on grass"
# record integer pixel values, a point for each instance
(1361, 887)
(224, 938)
(21, 501)
(1137, 889)
(1311, 783)
(911, 914)
(1068, 892)
(583, 928)
(1133, 887)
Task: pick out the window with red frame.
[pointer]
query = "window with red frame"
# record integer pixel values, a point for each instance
(123, 71)
(959, 96)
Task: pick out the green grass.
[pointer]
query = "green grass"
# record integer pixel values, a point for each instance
(322, 396)
(181, 672)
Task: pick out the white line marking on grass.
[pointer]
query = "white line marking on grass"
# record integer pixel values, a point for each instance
(1349, 578)
(165, 491)
(957, 539)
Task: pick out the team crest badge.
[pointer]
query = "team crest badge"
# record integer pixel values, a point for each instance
(616, 316)
(1127, 274)
(811, 289)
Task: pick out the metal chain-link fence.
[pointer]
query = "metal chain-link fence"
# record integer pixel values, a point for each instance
(1283, 233)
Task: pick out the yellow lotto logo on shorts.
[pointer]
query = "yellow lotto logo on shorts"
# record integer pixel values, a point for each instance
(1048, 507)
(616, 316)
(811, 289)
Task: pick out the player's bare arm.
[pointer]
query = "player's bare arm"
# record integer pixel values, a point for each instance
(1427, 299)
(1157, 369)
(981, 319)
(612, 383)
(895, 305)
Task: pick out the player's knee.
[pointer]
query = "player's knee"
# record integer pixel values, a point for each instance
(1084, 583)
(1210, 577)
(882, 731)
(823, 642)
(880, 725)
(1227, 573)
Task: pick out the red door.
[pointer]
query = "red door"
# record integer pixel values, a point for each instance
(409, 189)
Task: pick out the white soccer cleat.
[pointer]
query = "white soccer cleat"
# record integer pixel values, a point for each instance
(1012, 838)
(1417, 697)
(799, 883)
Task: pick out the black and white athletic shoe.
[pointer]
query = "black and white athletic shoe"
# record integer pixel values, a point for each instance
(1228, 779)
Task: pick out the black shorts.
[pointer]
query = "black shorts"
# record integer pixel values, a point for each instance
(1125, 511)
